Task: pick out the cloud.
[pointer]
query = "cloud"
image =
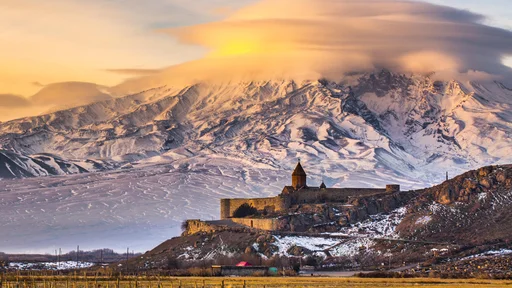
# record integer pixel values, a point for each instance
(37, 84)
(331, 37)
(134, 72)
(223, 11)
(69, 94)
(51, 97)
(11, 100)
(15, 106)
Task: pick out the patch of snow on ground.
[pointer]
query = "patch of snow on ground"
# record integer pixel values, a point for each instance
(435, 207)
(66, 265)
(440, 209)
(337, 247)
(380, 225)
(423, 220)
(191, 253)
(489, 253)
(482, 196)
(311, 243)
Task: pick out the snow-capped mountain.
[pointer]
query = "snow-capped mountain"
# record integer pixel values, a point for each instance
(172, 152)
(408, 126)
(13, 165)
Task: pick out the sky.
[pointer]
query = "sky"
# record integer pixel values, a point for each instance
(100, 41)
(108, 41)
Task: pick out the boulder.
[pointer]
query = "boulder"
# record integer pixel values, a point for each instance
(501, 177)
(261, 239)
(249, 250)
(486, 182)
(298, 251)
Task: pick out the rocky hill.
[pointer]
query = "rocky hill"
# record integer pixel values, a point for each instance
(465, 218)
(471, 209)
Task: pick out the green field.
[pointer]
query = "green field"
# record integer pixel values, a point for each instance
(239, 282)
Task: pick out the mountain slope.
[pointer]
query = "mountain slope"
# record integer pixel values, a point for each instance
(408, 126)
(13, 165)
(183, 145)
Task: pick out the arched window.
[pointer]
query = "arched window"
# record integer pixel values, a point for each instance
(245, 210)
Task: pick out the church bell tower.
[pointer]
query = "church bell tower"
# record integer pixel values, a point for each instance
(299, 177)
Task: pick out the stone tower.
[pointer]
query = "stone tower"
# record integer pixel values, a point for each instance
(299, 177)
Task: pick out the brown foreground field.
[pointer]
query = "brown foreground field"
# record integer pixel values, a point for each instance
(253, 282)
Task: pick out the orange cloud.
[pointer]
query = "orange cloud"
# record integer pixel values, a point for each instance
(313, 38)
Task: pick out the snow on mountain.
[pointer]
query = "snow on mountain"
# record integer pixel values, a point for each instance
(13, 165)
(183, 148)
(408, 126)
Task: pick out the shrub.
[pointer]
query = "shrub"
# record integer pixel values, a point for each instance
(434, 274)
(201, 272)
(173, 263)
(184, 226)
(259, 274)
(289, 272)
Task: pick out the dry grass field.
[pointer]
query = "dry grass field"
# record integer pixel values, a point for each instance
(253, 282)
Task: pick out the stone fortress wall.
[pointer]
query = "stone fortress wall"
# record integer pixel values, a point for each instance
(272, 204)
(196, 225)
(301, 196)
(267, 224)
(297, 194)
(311, 196)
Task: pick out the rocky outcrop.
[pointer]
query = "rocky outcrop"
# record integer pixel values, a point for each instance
(298, 251)
(329, 217)
(470, 185)
(470, 209)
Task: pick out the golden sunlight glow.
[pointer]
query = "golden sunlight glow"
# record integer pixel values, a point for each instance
(236, 48)
(251, 45)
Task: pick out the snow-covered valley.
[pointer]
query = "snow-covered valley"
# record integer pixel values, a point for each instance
(138, 207)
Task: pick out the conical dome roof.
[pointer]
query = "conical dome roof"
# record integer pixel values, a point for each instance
(299, 171)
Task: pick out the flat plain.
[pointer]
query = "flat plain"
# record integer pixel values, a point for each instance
(260, 282)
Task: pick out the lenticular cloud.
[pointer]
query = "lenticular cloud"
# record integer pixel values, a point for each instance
(332, 37)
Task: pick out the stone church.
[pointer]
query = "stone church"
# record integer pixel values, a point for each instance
(299, 193)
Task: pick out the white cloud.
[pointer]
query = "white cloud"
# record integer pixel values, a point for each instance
(508, 61)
